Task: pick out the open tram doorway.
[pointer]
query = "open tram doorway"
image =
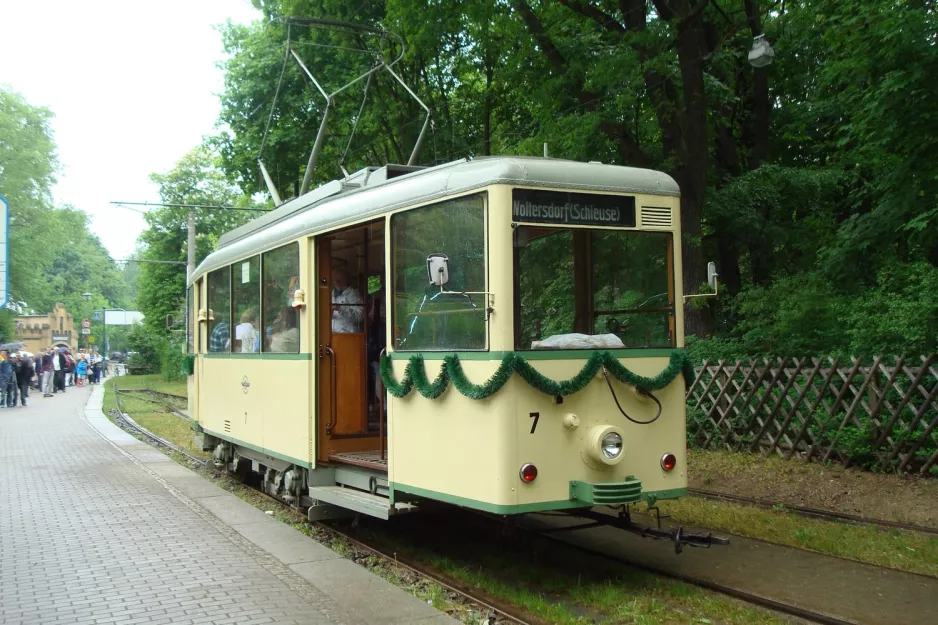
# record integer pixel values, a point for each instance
(350, 324)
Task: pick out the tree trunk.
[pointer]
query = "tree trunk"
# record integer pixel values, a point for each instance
(760, 95)
(693, 159)
(487, 114)
(730, 275)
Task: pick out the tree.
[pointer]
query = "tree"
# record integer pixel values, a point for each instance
(812, 182)
(54, 257)
(27, 172)
(196, 179)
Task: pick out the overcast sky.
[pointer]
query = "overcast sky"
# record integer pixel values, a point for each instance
(133, 86)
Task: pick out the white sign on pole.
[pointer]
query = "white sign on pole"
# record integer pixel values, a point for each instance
(122, 317)
(86, 330)
(4, 251)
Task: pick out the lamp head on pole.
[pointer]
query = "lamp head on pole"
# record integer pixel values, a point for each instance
(761, 54)
(87, 296)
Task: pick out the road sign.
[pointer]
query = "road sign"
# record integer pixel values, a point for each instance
(86, 330)
(4, 251)
(97, 315)
(91, 340)
(85, 324)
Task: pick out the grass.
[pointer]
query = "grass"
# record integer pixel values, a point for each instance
(565, 586)
(906, 551)
(555, 592)
(154, 382)
(151, 415)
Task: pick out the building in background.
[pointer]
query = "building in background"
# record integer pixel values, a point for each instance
(38, 331)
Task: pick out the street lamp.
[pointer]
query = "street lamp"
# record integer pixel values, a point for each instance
(761, 54)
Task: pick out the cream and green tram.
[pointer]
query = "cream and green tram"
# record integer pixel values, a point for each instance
(502, 334)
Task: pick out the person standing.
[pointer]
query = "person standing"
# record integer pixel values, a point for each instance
(59, 366)
(6, 374)
(47, 373)
(24, 375)
(13, 386)
(347, 310)
(81, 371)
(92, 366)
(69, 368)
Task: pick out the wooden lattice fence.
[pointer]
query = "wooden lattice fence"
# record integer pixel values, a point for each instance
(879, 415)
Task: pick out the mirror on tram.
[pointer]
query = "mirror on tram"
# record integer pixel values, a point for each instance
(712, 276)
(438, 269)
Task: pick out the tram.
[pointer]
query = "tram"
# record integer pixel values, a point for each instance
(504, 334)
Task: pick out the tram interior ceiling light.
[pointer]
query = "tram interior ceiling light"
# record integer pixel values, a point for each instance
(761, 54)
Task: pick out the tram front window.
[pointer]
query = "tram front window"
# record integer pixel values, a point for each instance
(614, 286)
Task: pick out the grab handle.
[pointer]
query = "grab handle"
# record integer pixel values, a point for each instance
(334, 418)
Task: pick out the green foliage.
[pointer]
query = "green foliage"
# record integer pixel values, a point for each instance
(155, 351)
(7, 331)
(195, 179)
(812, 181)
(54, 257)
(147, 346)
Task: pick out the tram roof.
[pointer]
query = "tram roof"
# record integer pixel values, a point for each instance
(375, 191)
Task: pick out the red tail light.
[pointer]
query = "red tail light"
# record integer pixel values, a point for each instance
(668, 462)
(528, 473)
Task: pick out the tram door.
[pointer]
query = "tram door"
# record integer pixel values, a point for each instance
(345, 261)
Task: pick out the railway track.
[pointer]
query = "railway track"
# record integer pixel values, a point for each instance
(503, 613)
(814, 513)
(805, 511)
(737, 593)
(138, 393)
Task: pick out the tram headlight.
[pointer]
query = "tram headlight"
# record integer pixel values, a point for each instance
(605, 445)
(612, 445)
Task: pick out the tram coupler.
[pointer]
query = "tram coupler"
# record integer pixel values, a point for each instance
(677, 534)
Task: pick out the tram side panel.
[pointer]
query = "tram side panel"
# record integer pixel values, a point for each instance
(262, 404)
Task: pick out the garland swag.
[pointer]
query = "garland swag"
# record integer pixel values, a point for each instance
(415, 376)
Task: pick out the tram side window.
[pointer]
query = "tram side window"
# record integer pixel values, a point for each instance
(246, 300)
(219, 303)
(280, 319)
(426, 317)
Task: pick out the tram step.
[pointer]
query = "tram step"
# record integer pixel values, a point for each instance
(359, 501)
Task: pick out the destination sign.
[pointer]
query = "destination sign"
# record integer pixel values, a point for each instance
(575, 209)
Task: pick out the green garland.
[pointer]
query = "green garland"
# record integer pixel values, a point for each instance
(415, 376)
(188, 364)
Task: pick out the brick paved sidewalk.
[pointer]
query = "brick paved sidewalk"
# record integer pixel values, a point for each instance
(89, 535)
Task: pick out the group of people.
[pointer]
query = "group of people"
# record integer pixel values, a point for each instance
(50, 371)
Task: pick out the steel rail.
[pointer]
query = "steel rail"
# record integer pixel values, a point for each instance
(500, 610)
(837, 517)
(165, 404)
(736, 593)
(130, 423)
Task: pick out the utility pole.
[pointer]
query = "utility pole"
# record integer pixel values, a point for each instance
(190, 267)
